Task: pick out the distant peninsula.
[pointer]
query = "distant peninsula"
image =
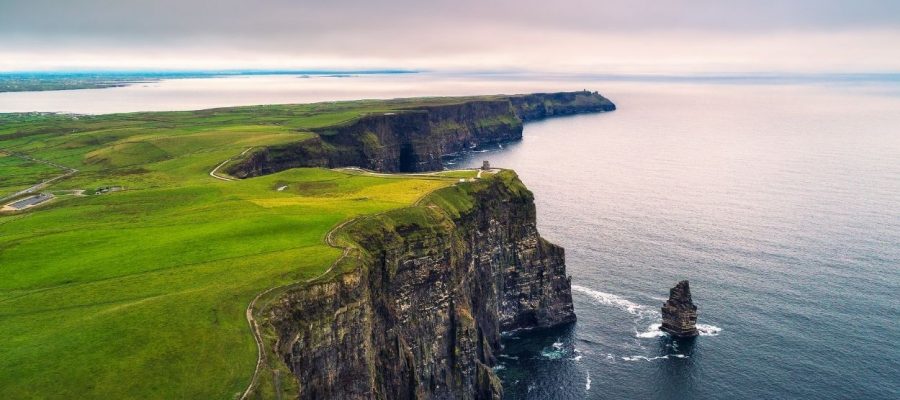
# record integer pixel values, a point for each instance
(38, 81)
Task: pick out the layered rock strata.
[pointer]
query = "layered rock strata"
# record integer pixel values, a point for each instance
(419, 311)
(414, 138)
(679, 314)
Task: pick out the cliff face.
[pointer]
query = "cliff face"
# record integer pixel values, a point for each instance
(538, 106)
(420, 314)
(414, 139)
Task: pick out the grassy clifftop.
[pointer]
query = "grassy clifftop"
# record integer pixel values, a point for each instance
(141, 293)
(419, 301)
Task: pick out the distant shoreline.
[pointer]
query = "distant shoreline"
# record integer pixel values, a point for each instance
(54, 80)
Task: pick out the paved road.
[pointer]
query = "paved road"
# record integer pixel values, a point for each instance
(41, 185)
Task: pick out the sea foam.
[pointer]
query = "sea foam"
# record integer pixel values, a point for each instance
(616, 301)
(641, 311)
(708, 330)
(643, 358)
(651, 332)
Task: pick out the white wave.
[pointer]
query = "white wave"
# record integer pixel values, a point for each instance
(708, 330)
(638, 358)
(587, 383)
(557, 345)
(499, 367)
(651, 332)
(576, 358)
(665, 357)
(616, 301)
(640, 311)
(654, 332)
(552, 355)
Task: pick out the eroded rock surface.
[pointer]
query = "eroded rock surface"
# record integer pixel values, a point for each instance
(679, 314)
(415, 139)
(421, 316)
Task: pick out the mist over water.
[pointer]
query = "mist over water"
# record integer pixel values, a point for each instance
(779, 200)
(781, 205)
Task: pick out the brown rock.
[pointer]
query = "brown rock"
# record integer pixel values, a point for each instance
(679, 314)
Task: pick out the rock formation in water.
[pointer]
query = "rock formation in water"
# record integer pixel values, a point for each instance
(679, 314)
(417, 308)
(414, 137)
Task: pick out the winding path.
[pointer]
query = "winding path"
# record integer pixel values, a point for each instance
(214, 171)
(254, 326)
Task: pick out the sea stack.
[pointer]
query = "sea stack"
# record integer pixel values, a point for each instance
(679, 314)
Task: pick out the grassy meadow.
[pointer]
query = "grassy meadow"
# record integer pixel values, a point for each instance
(141, 293)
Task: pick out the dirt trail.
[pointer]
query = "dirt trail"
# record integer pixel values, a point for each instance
(214, 171)
(254, 326)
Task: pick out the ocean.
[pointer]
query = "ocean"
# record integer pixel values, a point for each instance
(780, 204)
(777, 197)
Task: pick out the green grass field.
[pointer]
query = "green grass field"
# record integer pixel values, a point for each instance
(141, 293)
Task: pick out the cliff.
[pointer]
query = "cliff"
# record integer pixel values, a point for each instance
(537, 106)
(415, 309)
(413, 138)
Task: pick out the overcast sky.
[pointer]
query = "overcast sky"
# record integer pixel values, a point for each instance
(603, 36)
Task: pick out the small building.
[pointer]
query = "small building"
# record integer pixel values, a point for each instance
(485, 165)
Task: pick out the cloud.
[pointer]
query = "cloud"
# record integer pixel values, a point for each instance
(524, 34)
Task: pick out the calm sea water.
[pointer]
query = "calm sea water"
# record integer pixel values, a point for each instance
(781, 205)
(779, 199)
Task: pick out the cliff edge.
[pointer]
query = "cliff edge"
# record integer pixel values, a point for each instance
(412, 137)
(416, 307)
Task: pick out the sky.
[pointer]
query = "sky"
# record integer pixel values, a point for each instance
(585, 36)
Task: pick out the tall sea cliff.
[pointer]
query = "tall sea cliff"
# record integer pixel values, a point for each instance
(413, 138)
(418, 310)
(415, 307)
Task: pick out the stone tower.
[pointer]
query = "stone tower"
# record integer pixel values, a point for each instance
(679, 314)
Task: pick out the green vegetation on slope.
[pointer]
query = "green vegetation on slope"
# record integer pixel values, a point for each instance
(141, 293)
(17, 173)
